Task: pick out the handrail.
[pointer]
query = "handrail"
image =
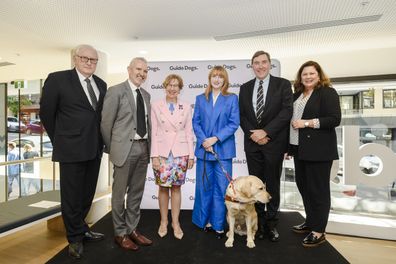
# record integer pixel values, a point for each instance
(21, 162)
(4, 163)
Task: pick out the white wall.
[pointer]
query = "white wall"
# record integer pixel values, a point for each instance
(344, 64)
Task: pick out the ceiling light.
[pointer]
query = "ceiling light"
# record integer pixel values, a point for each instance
(6, 63)
(364, 3)
(316, 25)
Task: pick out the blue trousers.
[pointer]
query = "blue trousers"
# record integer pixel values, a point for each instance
(209, 206)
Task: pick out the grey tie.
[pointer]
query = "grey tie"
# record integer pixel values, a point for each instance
(91, 93)
(260, 102)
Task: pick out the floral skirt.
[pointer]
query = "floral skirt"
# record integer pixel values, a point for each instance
(172, 171)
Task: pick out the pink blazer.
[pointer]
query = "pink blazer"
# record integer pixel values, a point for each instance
(171, 132)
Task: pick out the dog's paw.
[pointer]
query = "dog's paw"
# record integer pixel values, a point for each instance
(250, 244)
(230, 243)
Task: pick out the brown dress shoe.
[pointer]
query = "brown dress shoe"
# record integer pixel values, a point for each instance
(125, 243)
(139, 239)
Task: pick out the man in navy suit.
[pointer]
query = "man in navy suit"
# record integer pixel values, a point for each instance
(266, 107)
(70, 110)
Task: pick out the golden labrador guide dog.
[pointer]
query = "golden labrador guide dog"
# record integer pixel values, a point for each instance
(241, 195)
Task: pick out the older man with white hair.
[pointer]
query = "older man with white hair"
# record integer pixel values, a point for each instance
(70, 110)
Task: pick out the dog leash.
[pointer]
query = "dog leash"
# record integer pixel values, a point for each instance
(227, 175)
(229, 178)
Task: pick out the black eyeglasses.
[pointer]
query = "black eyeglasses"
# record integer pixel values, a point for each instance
(86, 59)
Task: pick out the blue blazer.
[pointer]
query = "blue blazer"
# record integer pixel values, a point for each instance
(220, 120)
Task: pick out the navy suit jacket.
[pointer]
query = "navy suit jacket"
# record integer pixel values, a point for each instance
(278, 110)
(220, 120)
(69, 119)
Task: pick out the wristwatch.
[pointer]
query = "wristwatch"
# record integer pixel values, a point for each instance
(306, 124)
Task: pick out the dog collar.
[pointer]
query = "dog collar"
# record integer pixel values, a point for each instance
(230, 199)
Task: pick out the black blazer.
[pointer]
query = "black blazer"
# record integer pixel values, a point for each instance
(320, 144)
(278, 110)
(69, 119)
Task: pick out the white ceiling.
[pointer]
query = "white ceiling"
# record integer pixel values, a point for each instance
(37, 35)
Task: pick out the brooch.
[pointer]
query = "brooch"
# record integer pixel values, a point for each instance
(180, 107)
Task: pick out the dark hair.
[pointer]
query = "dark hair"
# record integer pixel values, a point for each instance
(259, 53)
(324, 81)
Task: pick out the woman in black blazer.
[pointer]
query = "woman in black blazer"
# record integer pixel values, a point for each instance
(313, 143)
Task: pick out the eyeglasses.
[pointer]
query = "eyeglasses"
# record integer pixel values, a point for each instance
(86, 59)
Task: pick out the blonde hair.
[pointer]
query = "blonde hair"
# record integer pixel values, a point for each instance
(28, 147)
(171, 77)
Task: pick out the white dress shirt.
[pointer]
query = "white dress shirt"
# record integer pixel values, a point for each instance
(255, 90)
(85, 88)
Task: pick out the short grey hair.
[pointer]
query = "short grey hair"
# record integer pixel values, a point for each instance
(137, 59)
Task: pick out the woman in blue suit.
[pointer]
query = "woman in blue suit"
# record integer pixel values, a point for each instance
(215, 120)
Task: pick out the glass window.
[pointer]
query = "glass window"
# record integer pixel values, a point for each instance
(389, 98)
(368, 99)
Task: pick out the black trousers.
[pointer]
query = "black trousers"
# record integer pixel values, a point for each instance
(77, 187)
(313, 183)
(268, 167)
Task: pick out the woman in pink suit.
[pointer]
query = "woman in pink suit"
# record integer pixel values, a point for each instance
(171, 150)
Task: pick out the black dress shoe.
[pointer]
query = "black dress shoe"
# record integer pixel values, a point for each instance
(273, 235)
(76, 250)
(302, 228)
(260, 234)
(219, 235)
(208, 229)
(313, 241)
(93, 236)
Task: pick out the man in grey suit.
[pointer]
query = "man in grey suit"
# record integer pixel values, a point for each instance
(126, 133)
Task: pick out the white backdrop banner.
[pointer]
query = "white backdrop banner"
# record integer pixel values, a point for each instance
(195, 78)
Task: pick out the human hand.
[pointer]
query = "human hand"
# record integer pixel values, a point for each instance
(263, 141)
(156, 163)
(209, 142)
(190, 164)
(257, 135)
(209, 149)
(296, 124)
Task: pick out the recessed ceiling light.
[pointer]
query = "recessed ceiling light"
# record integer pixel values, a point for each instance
(364, 3)
(143, 51)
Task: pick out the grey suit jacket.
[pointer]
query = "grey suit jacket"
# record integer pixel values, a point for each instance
(118, 124)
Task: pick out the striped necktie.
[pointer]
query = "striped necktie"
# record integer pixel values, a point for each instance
(94, 100)
(260, 102)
